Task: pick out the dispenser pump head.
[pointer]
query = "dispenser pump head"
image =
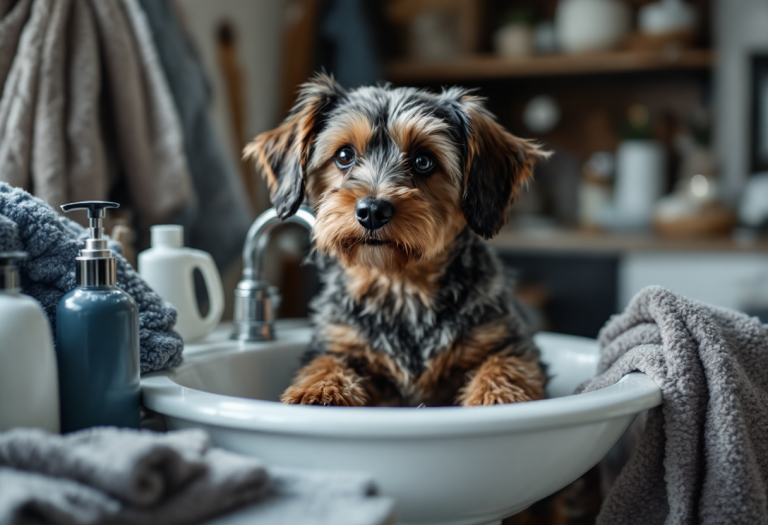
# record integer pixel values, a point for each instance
(9, 275)
(96, 265)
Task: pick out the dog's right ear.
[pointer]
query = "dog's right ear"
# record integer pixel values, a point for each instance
(282, 154)
(497, 165)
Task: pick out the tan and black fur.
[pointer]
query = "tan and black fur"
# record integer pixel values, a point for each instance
(418, 311)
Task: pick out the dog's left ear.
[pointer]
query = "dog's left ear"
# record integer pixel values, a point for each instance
(282, 154)
(497, 165)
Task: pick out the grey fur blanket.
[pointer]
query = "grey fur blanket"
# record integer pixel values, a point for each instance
(53, 242)
(703, 456)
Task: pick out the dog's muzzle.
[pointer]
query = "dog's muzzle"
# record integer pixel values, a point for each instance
(372, 213)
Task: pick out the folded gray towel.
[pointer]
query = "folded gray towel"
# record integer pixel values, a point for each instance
(315, 498)
(111, 476)
(27, 498)
(140, 468)
(106, 476)
(53, 243)
(703, 457)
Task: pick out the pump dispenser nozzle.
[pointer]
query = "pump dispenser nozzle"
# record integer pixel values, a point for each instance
(9, 275)
(96, 265)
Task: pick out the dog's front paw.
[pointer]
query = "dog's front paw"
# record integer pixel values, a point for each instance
(490, 396)
(326, 381)
(503, 379)
(329, 392)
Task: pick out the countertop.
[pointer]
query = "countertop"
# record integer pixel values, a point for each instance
(579, 241)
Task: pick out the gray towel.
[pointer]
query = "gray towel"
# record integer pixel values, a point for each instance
(218, 219)
(84, 102)
(27, 498)
(107, 476)
(53, 242)
(315, 498)
(140, 468)
(703, 457)
(110, 476)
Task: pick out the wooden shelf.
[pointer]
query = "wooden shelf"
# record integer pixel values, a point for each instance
(492, 67)
(575, 241)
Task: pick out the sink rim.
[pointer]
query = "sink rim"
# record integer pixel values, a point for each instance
(634, 393)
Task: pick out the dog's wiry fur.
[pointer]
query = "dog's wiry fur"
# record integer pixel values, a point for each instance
(418, 311)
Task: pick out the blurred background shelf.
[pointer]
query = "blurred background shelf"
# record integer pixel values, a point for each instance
(576, 241)
(493, 67)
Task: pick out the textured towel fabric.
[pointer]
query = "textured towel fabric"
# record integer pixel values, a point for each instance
(85, 102)
(106, 476)
(140, 468)
(703, 457)
(110, 476)
(27, 498)
(315, 498)
(53, 242)
(218, 219)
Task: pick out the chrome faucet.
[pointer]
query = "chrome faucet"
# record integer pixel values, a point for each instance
(253, 316)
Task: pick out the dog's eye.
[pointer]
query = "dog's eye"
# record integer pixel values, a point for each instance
(345, 157)
(423, 163)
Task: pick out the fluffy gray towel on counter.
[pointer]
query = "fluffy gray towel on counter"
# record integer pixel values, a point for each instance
(140, 468)
(84, 103)
(703, 457)
(106, 476)
(218, 219)
(315, 498)
(111, 476)
(53, 243)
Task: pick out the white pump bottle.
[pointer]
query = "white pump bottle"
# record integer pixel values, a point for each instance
(29, 381)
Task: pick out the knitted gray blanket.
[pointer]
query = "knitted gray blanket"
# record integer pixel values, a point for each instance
(52, 243)
(703, 457)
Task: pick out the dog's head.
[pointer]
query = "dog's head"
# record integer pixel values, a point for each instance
(394, 173)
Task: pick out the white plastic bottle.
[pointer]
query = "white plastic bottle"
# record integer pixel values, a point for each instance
(169, 268)
(29, 380)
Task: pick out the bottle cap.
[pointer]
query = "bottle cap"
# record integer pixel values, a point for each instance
(9, 275)
(167, 236)
(96, 265)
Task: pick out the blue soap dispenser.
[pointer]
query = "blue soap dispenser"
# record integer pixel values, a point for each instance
(97, 338)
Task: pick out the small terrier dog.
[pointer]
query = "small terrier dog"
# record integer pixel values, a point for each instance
(415, 309)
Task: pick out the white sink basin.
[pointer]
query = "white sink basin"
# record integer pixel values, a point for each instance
(450, 465)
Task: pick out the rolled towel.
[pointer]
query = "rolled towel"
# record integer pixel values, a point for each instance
(27, 498)
(107, 476)
(229, 481)
(138, 467)
(315, 498)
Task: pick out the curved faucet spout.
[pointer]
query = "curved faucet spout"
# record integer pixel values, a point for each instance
(253, 316)
(260, 234)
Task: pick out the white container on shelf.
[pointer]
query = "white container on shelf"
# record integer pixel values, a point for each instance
(640, 177)
(591, 25)
(169, 269)
(29, 380)
(667, 16)
(514, 40)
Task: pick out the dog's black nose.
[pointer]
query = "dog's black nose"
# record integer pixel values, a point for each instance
(372, 213)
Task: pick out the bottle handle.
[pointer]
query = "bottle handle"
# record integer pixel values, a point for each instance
(215, 292)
